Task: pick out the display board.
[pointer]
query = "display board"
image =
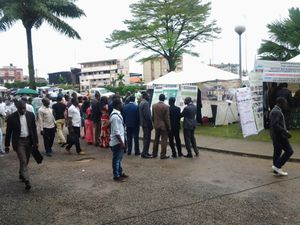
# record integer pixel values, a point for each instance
(256, 86)
(278, 71)
(244, 104)
(179, 92)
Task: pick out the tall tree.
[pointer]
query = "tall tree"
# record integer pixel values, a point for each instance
(33, 13)
(168, 28)
(284, 37)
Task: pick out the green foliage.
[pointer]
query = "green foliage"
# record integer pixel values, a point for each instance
(33, 13)
(285, 38)
(74, 87)
(120, 79)
(19, 84)
(122, 90)
(168, 28)
(61, 80)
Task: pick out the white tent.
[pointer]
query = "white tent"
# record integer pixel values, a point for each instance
(296, 59)
(196, 73)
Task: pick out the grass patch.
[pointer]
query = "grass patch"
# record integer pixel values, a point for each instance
(234, 131)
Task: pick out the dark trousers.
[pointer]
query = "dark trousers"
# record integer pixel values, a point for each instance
(49, 134)
(190, 141)
(117, 160)
(97, 126)
(23, 152)
(133, 133)
(146, 140)
(164, 139)
(279, 145)
(175, 134)
(74, 139)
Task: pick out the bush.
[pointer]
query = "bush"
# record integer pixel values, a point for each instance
(124, 89)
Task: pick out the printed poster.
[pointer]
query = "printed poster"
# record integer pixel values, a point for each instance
(244, 104)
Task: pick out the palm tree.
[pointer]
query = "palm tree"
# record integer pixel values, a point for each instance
(33, 13)
(120, 79)
(285, 38)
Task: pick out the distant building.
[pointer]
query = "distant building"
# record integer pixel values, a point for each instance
(233, 68)
(135, 78)
(37, 79)
(66, 77)
(10, 74)
(104, 72)
(157, 67)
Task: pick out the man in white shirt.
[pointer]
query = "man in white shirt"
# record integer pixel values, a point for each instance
(29, 108)
(47, 124)
(74, 123)
(117, 140)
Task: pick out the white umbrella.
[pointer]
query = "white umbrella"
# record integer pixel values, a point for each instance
(3, 89)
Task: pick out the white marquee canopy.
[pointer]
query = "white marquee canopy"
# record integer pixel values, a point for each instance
(195, 73)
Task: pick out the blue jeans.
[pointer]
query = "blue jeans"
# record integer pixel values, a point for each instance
(117, 160)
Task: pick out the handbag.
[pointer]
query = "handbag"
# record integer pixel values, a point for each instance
(36, 155)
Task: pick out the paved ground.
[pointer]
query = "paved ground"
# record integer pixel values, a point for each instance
(212, 189)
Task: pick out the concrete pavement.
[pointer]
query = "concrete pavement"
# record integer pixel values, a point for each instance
(241, 147)
(214, 189)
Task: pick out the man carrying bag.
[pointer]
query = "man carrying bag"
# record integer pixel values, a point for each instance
(21, 131)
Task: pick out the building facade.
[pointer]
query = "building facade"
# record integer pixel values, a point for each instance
(10, 74)
(65, 77)
(157, 67)
(101, 73)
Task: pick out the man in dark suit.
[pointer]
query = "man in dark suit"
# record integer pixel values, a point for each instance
(175, 127)
(189, 126)
(21, 131)
(161, 122)
(96, 115)
(280, 137)
(146, 124)
(132, 121)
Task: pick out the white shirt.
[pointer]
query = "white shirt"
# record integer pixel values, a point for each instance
(46, 118)
(2, 109)
(116, 127)
(74, 113)
(30, 108)
(24, 126)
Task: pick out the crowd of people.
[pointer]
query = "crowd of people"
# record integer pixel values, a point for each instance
(104, 122)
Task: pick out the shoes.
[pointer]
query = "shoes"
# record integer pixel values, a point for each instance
(197, 154)
(180, 154)
(137, 153)
(63, 144)
(174, 156)
(67, 151)
(188, 156)
(124, 175)
(154, 156)
(165, 157)
(279, 171)
(119, 179)
(148, 156)
(22, 179)
(49, 154)
(27, 185)
(81, 153)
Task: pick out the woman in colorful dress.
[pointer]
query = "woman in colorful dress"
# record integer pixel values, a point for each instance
(105, 127)
(89, 127)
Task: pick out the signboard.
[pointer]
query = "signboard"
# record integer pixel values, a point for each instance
(179, 92)
(278, 71)
(256, 86)
(244, 104)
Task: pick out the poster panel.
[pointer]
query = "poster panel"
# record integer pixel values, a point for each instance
(256, 86)
(278, 71)
(179, 92)
(244, 104)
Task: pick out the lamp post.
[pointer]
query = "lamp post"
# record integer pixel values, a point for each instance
(240, 30)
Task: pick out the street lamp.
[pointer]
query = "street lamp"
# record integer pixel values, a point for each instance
(240, 30)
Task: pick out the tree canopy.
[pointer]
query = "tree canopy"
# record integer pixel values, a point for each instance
(168, 28)
(33, 13)
(284, 38)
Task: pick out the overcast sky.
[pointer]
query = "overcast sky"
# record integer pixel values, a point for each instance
(54, 52)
